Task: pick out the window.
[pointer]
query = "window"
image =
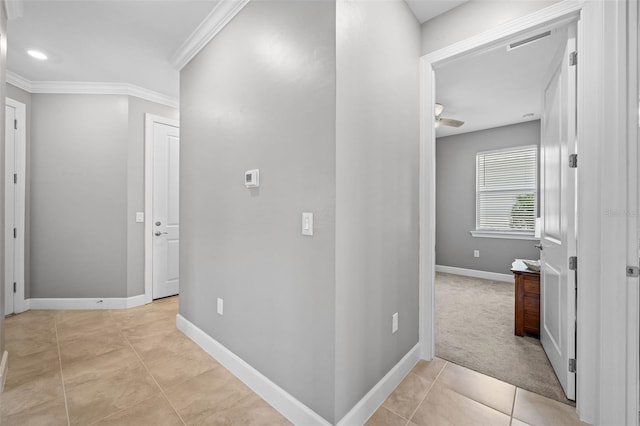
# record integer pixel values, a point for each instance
(506, 192)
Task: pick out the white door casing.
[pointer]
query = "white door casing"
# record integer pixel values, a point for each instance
(15, 165)
(558, 214)
(162, 225)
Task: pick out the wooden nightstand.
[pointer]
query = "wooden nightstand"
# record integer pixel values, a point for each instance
(527, 312)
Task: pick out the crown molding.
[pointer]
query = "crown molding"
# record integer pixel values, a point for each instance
(90, 88)
(13, 8)
(217, 19)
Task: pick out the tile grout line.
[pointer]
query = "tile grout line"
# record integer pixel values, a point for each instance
(428, 390)
(151, 375)
(64, 390)
(513, 405)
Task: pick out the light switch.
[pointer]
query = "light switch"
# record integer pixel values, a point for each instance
(220, 307)
(307, 223)
(139, 217)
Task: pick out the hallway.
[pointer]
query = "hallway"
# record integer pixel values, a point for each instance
(133, 367)
(124, 367)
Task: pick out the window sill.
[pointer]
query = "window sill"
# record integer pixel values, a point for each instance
(504, 235)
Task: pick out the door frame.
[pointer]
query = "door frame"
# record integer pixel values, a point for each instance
(149, 121)
(604, 395)
(20, 155)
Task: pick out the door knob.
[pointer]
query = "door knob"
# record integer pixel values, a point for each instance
(158, 223)
(158, 233)
(538, 246)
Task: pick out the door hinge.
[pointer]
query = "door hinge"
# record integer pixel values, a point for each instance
(14, 288)
(572, 365)
(573, 263)
(633, 271)
(15, 124)
(573, 161)
(573, 58)
(15, 233)
(15, 178)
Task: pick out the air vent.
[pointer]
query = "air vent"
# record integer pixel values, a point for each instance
(528, 40)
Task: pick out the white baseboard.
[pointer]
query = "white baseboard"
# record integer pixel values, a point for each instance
(278, 398)
(369, 403)
(508, 278)
(4, 368)
(85, 303)
(281, 400)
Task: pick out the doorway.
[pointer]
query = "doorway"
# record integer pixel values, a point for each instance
(498, 168)
(162, 195)
(15, 166)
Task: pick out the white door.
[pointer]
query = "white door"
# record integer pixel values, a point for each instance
(558, 213)
(166, 219)
(14, 206)
(9, 214)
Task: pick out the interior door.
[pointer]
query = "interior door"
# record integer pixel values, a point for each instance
(9, 213)
(166, 219)
(558, 213)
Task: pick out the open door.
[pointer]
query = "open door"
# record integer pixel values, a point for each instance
(558, 213)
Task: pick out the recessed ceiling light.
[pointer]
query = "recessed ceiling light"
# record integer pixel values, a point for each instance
(37, 54)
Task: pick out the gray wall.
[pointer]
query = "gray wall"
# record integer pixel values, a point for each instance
(135, 187)
(25, 97)
(78, 196)
(85, 181)
(377, 144)
(456, 196)
(262, 95)
(472, 18)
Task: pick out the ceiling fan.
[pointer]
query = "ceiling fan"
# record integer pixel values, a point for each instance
(445, 121)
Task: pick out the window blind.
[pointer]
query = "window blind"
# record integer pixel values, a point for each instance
(506, 189)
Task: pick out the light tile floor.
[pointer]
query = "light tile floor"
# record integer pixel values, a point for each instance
(442, 393)
(132, 367)
(121, 367)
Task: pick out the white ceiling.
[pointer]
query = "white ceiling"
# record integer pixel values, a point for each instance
(104, 40)
(495, 88)
(427, 9)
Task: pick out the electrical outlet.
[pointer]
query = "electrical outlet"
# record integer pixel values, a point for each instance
(476, 253)
(220, 306)
(394, 323)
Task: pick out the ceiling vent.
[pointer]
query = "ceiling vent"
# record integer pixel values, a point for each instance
(528, 40)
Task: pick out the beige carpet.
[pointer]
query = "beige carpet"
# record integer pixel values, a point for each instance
(474, 328)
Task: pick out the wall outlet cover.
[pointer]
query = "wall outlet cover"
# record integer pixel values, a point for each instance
(476, 253)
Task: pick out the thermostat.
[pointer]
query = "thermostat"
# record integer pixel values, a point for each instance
(252, 178)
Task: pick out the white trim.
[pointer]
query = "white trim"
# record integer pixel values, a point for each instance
(495, 276)
(14, 8)
(4, 369)
(20, 156)
(90, 88)
(215, 21)
(602, 393)
(281, 400)
(85, 303)
(369, 403)
(149, 120)
(19, 81)
(507, 235)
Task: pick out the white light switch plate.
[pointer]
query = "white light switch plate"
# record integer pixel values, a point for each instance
(307, 223)
(394, 323)
(139, 217)
(220, 306)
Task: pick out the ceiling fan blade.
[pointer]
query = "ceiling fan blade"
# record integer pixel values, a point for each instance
(450, 122)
